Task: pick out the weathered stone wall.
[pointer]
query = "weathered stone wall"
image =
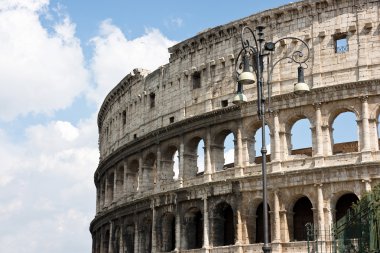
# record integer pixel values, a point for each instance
(150, 118)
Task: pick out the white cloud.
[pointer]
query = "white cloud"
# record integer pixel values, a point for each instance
(40, 71)
(115, 56)
(50, 195)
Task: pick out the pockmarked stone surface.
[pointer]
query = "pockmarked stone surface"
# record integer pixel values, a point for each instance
(163, 183)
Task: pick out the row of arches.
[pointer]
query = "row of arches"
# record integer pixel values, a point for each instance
(221, 228)
(202, 152)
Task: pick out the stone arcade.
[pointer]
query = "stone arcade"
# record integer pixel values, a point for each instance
(151, 118)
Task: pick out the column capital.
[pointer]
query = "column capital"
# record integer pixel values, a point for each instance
(317, 105)
(364, 99)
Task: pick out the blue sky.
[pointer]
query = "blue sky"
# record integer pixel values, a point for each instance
(58, 61)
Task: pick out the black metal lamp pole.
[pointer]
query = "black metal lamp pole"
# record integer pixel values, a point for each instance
(253, 58)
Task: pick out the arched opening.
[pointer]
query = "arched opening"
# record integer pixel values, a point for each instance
(257, 143)
(149, 172)
(145, 233)
(110, 183)
(343, 204)
(103, 193)
(201, 157)
(301, 139)
(223, 225)
(345, 133)
(260, 224)
(119, 180)
(193, 229)
(130, 238)
(169, 165)
(175, 165)
(229, 151)
(302, 214)
(106, 241)
(223, 150)
(132, 181)
(194, 157)
(168, 232)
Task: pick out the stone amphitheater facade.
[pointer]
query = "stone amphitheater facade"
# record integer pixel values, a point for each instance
(151, 116)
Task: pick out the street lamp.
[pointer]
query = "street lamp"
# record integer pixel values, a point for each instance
(251, 59)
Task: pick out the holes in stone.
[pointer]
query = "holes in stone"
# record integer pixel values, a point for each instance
(171, 120)
(260, 224)
(223, 225)
(343, 204)
(301, 139)
(224, 103)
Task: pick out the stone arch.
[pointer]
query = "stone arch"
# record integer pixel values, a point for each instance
(167, 168)
(106, 241)
(193, 229)
(302, 214)
(260, 223)
(347, 146)
(343, 204)
(149, 172)
(129, 238)
(191, 156)
(132, 174)
(256, 143)
(110, 188)
(145, 235)
(223, 225)
(119, 174)
(168, 232)
(251, 203)
(218, 149)
(298, 122)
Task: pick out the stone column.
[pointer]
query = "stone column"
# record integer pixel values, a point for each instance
(276, 218)
(177, 227)
(367, 185)
(115, 190)
(205, 224)
(159, 169)
(318, 130)
(365, 130)
(137, 237)
(239, 152)
(110, 246)
(208, 170)
(121, 241)
(284, 226)
(320, 214)
(365, 125)
(141, 183)
(98, 197)
(154, 226)
(125, 182)
(276, 153)
(106, 200)
(181, 161)
(318, 157)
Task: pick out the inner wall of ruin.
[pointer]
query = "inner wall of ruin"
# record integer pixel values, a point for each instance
(147, 203)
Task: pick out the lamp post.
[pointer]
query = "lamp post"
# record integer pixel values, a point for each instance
(251, 59)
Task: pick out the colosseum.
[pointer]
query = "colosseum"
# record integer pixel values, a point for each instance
(165, 181)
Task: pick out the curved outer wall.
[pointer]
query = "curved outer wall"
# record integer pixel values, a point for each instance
(149, 116)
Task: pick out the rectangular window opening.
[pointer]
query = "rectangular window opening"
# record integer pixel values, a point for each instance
(341, 43)
(124, 117)
(196, 80)
(171, 119)
(152, 100)
(224, 103)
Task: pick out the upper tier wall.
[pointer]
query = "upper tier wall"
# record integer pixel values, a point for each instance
(200, 74)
